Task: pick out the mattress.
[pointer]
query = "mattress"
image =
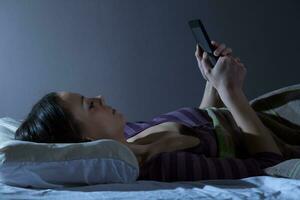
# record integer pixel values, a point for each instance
(258, 187)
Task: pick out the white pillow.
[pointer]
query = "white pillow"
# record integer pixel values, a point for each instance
(288, 169)
(49, 165)
(8, 127)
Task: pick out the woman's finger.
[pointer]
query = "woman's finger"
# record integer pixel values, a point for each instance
(226, 52)
(214, 43)
(201, 68)
(206, 64)
(199, 52)
(220, 48)
(237, 59)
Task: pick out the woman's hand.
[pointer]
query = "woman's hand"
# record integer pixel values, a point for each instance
(228, 72)
(211, 97)
(220, 50)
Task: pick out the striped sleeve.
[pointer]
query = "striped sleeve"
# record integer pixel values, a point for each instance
(186, 166)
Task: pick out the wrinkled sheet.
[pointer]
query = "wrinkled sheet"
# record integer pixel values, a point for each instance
(259, 187)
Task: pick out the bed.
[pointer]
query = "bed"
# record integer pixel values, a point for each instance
(259, 187)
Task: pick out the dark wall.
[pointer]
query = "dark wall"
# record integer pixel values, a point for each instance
(138, 54)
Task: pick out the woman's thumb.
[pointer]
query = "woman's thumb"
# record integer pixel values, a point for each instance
(207, 66)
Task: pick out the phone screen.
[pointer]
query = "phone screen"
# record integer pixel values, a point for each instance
(200, 38)
(203, 39)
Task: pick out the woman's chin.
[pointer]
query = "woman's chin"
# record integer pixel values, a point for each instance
(120, 114)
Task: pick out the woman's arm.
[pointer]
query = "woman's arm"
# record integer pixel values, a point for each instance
(227, 76)
(211, 98)
(258, 138)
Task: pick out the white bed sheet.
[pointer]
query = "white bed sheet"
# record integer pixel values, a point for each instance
(259, 187)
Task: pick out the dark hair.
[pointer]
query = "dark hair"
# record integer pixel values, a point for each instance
(50, 122)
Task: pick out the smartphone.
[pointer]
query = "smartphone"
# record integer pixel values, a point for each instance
(203, 39)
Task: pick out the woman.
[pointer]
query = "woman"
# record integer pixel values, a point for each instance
(177, 146)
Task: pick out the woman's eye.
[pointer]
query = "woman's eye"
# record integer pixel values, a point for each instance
(91, 105)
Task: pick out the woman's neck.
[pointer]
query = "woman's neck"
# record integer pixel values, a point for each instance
(138, 149)
(141, 151)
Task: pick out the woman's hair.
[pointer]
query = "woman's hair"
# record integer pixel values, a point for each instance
(50, 122)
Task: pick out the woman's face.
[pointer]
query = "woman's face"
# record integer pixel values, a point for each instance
(97, 120)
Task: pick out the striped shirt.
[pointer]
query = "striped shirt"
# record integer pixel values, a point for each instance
(203, 161)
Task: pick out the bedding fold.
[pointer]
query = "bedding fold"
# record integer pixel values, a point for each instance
(279, 111)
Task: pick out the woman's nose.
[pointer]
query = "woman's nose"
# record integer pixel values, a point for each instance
(101, 97)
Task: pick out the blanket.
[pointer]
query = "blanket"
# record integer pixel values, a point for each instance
(279, 110)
